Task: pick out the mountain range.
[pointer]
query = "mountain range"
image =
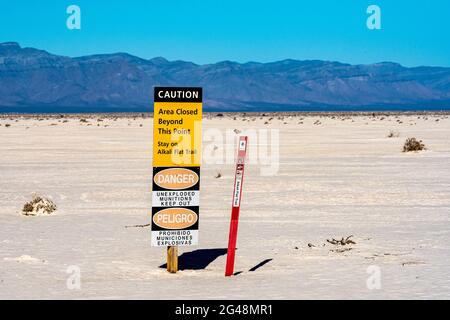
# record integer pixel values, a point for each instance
(33, 80)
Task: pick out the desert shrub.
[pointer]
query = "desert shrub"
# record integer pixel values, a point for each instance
(7, 125)
(412, 144)
(83, 120)
(38, 205)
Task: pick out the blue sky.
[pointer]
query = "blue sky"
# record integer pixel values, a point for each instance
(414, 32)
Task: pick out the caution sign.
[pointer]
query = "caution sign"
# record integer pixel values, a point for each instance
(176, 166)
(177, 127)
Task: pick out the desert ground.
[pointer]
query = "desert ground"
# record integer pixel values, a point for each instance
(338, 175)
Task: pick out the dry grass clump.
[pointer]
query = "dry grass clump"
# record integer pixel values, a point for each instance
(342, 242)
(412, 144)
(38, 206)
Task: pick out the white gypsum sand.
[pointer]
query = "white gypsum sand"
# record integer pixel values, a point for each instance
(338, 176)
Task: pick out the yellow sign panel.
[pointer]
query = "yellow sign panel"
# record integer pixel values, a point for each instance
(177, 128)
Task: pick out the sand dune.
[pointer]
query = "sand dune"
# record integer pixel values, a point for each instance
(338, 175)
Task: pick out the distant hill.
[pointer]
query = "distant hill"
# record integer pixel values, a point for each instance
(33, 80)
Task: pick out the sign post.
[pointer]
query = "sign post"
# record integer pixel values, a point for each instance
(236, 204)
(177, 141)
(172, 259)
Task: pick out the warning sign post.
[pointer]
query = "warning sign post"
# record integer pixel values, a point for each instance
(236, 204)
(176, 169)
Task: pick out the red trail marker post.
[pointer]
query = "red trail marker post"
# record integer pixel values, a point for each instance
(236, 204)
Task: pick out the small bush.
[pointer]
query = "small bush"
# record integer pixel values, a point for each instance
(412, 144)
(38, 206)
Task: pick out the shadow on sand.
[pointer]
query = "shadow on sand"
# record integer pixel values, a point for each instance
(197, 259)
(259, 265)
